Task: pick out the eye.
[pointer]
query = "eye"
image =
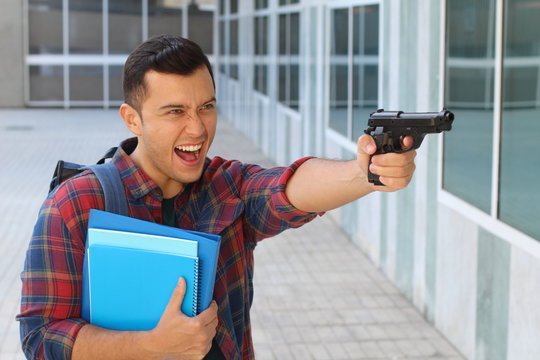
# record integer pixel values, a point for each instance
(208, 107)
(176, 111)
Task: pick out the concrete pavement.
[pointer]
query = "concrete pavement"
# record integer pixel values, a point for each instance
(316, 295)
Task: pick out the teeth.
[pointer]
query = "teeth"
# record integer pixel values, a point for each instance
(189, 148)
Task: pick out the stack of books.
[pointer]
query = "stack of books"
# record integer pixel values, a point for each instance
(131, 268)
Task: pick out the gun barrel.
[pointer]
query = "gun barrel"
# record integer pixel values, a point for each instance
(441, 120)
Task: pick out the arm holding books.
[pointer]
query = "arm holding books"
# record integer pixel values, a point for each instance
(176, 336)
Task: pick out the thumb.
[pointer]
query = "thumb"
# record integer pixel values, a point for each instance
(177, 297)
(366, 145)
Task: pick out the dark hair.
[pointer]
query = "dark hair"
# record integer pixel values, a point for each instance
(167, 54)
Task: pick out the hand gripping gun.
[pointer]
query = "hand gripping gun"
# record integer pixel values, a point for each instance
(389, 127)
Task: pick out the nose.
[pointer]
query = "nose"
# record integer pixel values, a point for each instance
(195, 126)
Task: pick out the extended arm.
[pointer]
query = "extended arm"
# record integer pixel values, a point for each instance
(320, 185)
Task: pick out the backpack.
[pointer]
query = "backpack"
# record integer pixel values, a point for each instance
(106, 173)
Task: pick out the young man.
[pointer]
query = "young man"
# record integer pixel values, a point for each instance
(171, 108)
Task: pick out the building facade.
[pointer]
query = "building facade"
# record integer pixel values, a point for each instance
(70, 53)
(301, 77)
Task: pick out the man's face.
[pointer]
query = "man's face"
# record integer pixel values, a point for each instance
(176, 126)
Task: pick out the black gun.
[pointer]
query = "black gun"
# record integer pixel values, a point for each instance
(389, 127)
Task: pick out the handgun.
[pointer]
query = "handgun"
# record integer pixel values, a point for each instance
(389, 127)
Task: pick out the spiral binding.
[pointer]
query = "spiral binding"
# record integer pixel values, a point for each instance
(196, 280)
(199, 283)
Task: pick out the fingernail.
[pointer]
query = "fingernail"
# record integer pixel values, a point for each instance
(180, 281)
(370, 148)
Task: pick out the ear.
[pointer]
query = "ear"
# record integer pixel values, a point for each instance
(131, 118)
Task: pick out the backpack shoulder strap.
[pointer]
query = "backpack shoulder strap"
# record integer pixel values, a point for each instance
(113, 188)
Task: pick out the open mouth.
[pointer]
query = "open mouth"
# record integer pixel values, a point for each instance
(189, 153)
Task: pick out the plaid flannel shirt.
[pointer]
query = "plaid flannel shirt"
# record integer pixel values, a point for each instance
(241, 202)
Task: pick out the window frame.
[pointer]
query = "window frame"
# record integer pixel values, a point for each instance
(347, 142)
(65, 59)
(491, 220)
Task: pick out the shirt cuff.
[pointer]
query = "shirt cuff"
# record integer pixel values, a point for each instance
(282, 204)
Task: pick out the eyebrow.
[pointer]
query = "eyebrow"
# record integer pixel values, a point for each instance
(180, 106)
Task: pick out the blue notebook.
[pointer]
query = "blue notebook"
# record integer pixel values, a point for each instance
(130, 288)
(102, 225)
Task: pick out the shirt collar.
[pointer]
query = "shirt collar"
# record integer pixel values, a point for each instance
(138, 183)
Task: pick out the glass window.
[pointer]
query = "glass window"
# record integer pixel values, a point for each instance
(221, 7)
(116, 92)
(261, 4)
(233, 49)
(86, 83)
(164, 18)
(283, 34)
(353, 66)
(294, 34)
(45, 26)
(470, 77)
(222, 37)
(234, 6)
(288, 70)
(365, 74)
(125, 25)
(47, 83)
(201, 27)
(519, 162)
(85, 15)
(261, 78)
(234, 37)
(260, 39)
(261, 35)
(339, 71)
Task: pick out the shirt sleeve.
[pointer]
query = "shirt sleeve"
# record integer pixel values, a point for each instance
(268, 210)
(52, 280)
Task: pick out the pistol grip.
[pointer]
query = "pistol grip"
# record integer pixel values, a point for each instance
(373, 178)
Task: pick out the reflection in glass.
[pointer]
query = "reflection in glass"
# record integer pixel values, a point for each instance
(85, 27)
(125, 25)
(468, 147)
(86, 83)
(519, 196)
(164, 18)
(45, 26)
(46, 83)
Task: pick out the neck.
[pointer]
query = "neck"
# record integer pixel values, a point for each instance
(169, 187)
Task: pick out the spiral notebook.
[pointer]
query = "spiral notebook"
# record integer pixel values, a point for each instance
(132, 266)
